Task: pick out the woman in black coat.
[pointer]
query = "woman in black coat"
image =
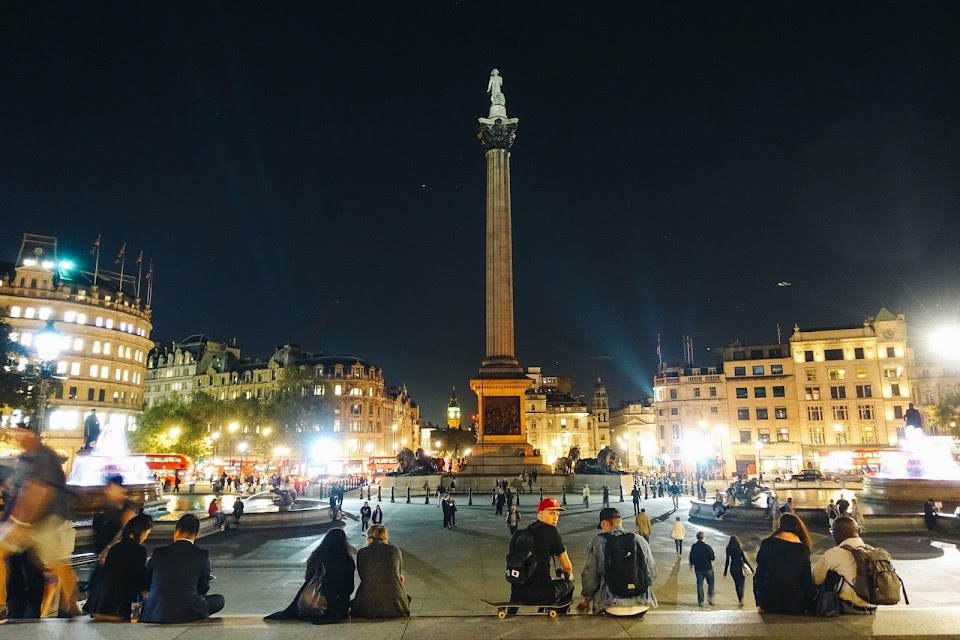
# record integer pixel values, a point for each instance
(124, 576)
(783, 583)
(736, 560)
(334, 555)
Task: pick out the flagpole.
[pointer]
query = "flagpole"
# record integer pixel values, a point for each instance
(659, 355)
(123, 261)
(139, 271)
(96, 266)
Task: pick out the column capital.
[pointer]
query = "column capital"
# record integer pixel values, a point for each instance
(497, 133)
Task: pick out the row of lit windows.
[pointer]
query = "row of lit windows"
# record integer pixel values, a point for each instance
(762, 413)
(867, 412)
(97, 395)
(44, 313)
(839, 391)
(856, 353)
(868, 435)
(95, 371)
(76, 344)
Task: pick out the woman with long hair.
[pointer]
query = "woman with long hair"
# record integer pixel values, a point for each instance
(380, 565)
(334, 557)
(783, 582)
(124, 576)
(736, 561)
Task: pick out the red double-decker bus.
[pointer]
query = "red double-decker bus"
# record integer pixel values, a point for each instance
(168, 466)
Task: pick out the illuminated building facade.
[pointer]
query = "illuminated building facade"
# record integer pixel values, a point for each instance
(106, 338)
(557, 420)
(691, 415)
(633, 433)
(363, 410)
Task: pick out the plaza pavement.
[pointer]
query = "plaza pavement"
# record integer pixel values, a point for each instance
(448, 571)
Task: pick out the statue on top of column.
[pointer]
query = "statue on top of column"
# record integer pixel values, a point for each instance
(493, 88)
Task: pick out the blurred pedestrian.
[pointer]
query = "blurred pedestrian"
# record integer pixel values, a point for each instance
(783, 582)
(513, 519)
(365, 513)
(678, 533)
(735, 563)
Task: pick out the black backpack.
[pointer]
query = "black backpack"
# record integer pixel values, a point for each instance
(521, 562)
(624, 566)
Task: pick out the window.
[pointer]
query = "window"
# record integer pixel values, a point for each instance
(90, 393)
(75, 369)
(783, 435)
(714, 410)
(758, 369)
(98, 321)
(696, 392)
(739, 355)
(713, 392)
(833, 354)
(815, 413)
(109, 323)
(843, 436)
(78, 344)
(838, 392)
(30, 313)
(864, 391)
(812, 393)
(104, 372)
(673, 394)
(93, 371)
(895, 390)
(739, 371)
(891, 352)
(663, 434)
(676, 432)
(763, 435)
(14, 312)
(868, 434)
(763, 413)
(81, 318)
(811, 375)
(861, 372)
(836, 374)
(759, 392)
(73, 393)
(858, 353)
(865, 411)
(780, 413)
(808, 356)
(840, 412)
(741, 392)
(779, 392)
(816, 435)
(776, 352)
(674, 411)
(96, 346)
(743, 413)
(776, 369)
(898, 412)
(745, 436)
(892, 372)
(338, 389)
(106, 348)
(102, 396)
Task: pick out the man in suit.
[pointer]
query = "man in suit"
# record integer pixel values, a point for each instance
(179, 578)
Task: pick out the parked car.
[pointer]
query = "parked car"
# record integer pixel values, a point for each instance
(807, 475)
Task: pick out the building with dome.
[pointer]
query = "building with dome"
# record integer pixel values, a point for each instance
(105, 327)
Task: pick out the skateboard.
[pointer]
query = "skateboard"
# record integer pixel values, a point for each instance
(525, 609)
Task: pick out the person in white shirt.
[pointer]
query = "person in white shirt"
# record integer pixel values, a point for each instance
(842, 561)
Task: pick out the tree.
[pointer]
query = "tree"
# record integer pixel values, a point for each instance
(175, 426)
(947, 415)
(299, 409)
(453, 440)
(14, 386)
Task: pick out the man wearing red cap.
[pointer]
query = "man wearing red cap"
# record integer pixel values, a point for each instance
(540, 587)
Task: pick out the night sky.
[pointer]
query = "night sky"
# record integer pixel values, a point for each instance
(304, 172)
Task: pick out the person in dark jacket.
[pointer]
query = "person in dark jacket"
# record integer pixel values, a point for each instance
(783, 582)
(701, 559)
(179, 578)
(380, 566)
(124, 575)
(736, 560)
(334, 554)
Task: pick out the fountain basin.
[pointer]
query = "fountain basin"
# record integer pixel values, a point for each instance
(909, 494)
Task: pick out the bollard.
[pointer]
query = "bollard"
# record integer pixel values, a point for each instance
(646, 496)
(541, 494)
(379, 497)
(368, 492)
(408, 495)
(564, 490)
(470, 497)
(426, 496)
(518, 498)
(391, 494)
(621, 493)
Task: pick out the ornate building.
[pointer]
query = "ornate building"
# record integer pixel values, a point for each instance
(106, 337)
(691, 406)
(367, 417)
(453, 412)
(633, 433)
(557, 420)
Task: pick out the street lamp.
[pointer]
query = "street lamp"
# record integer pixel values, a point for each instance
(242, 447)
(49, 344)
(838, 429)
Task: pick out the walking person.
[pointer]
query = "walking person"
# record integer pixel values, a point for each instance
(635, 494)
(930, 514)
(586, 496)
(775, 514)
(644, 528)
(736, 561)
(445, 507)
(856, 512)
(365, 513)
(678, 533)
(675, 494)
(701, 560)
(499, 501)
(377, 517)
(832, 514)
(453, 511)
(606, 497)
(513, 519)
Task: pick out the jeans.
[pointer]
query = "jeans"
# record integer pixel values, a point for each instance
(679, 545)
(701, 576)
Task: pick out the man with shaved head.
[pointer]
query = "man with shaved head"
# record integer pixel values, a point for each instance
(845, 534)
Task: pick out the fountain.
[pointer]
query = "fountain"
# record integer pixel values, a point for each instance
(109, 457)
(921, 467)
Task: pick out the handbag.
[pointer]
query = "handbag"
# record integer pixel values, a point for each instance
(747, 571)
(312, 602)
(826, 597)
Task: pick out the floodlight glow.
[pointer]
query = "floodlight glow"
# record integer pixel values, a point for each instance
(946, 341)
(47, 264)
(242, 446)
(323, 450)
(49, 342)
(67, 265)
(29, 262)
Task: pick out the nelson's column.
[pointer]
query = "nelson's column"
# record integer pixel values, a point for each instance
(501, 384)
